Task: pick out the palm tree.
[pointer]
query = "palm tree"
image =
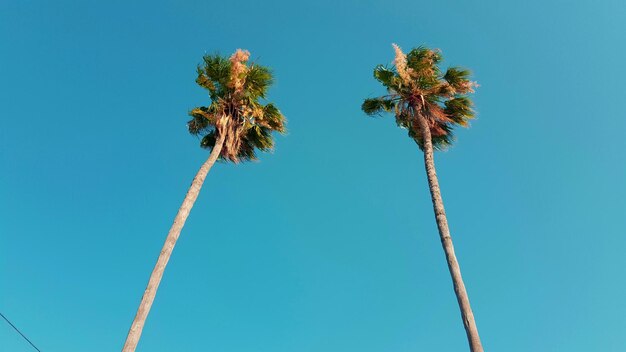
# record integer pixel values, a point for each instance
(429, 103)
(233, 127)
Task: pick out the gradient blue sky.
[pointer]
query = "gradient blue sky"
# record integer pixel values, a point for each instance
(328, 244)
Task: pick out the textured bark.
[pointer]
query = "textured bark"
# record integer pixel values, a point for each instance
(446, 241)
(157, 273)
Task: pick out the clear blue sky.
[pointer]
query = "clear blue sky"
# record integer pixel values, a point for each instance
(328, 244)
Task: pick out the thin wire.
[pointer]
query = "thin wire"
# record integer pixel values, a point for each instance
(19, 332)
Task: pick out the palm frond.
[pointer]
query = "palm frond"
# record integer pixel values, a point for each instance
(459, 109)
(384, 75)
(217, 68)
(258, 79)
(201, 120)
(375, 106)
(208, 141)
(422, 59)
(260, 138)
(275, 120)
(204, 81)
(456, 75)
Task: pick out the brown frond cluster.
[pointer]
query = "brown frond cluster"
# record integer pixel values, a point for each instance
(238, 69)
(232, 129)
(467, 87)
(400, 63)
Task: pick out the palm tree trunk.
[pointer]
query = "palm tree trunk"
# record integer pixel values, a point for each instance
(155, 279)
(446, 241)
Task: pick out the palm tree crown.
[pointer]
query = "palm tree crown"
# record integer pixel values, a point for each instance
(235, 88)
(417, 86)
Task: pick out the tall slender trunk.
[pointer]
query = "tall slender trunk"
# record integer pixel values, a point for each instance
(157, 273)
(446, 241)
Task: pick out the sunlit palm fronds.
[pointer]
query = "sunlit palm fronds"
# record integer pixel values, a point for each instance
(236, 112)
(417, 87)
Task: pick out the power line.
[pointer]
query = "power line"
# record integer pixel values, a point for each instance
(19, 332)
